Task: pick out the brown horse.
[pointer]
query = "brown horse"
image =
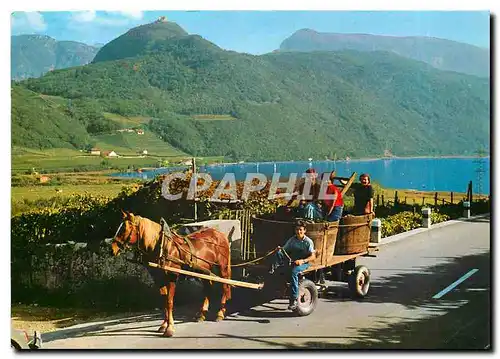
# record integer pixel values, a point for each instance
(201, 251)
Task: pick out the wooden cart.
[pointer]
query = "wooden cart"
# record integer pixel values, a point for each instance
(337, 246)
(336, 253)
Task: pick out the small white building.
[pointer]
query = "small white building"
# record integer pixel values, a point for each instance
(109, 154)
(186, 163)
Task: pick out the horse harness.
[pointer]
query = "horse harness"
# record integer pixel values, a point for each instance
(166, 234)
(192, 262)
(166, 258)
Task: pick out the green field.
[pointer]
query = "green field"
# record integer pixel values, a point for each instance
(126, 122)
(214, 117)
(131, 144)
(55, 100)
(27, 153)
(24, 160)
(33, 193)
(80, 162)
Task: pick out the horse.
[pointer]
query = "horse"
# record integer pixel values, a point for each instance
(201, 251)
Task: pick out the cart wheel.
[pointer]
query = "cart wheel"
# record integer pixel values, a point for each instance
(308, 297)
(359, 281)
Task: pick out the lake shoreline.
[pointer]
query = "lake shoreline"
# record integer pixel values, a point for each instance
(424, 173)
(361, 159)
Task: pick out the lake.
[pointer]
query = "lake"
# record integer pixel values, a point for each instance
(424, 174)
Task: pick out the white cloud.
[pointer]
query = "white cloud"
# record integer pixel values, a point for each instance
(137, 15)
(112, 21)
(27, 22)
(107, 18)
(84, 16)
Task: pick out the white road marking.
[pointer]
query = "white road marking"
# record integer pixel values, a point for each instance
(455, 283)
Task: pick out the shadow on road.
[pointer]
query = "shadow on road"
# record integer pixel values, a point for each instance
(97, 329)
(462, 318)
(463, 315)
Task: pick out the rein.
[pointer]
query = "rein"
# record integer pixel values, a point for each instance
(192, 261)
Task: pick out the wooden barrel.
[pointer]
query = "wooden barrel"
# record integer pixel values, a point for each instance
(354, 234)
(268, 234)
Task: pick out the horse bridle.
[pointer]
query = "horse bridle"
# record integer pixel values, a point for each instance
(128, 240)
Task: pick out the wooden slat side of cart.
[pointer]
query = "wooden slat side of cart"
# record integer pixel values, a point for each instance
(269, 234)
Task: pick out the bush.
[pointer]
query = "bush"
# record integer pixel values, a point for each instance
(400, 222)
(406, 221)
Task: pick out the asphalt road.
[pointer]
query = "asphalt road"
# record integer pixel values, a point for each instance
(398, 313)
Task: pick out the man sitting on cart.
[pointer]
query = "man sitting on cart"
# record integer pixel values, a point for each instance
(309, 204)
(299, 251)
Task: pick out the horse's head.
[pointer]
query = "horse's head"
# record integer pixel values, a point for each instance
(126, 235)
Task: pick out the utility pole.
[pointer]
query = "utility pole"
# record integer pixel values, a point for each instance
(480, 170)
(193, 162)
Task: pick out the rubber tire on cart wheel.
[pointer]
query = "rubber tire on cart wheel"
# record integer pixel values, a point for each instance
(308, 298)
(359, 281)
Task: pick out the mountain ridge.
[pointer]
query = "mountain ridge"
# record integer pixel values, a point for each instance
(441, 53)
(132, 42)
(35, 55)
(283, 105)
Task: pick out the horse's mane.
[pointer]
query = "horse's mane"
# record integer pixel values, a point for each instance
(149, 231)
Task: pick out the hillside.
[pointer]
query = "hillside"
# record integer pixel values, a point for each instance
(139, 40)
(285, 105)
(34, 55)
(39, 123)
(132, 144)
(440, 53)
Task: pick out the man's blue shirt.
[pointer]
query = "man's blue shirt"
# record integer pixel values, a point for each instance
(299, 248)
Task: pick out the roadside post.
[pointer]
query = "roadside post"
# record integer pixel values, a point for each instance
(376, 231)
(426, 217)
(466, 209)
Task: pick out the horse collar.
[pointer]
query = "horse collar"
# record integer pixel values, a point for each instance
(134, 223)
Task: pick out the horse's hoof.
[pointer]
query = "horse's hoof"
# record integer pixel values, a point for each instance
(200, 317)
(162, 329)
(219, 318)
(168, 333)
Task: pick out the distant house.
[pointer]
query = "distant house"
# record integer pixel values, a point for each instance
(388, 153)
(44, 179)
(109, 154)
(95, 151)
(140, 131)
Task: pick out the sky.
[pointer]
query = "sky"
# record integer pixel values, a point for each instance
(257, 32)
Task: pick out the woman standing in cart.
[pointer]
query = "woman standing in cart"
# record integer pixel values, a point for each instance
(334, 206)
(363, 195)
